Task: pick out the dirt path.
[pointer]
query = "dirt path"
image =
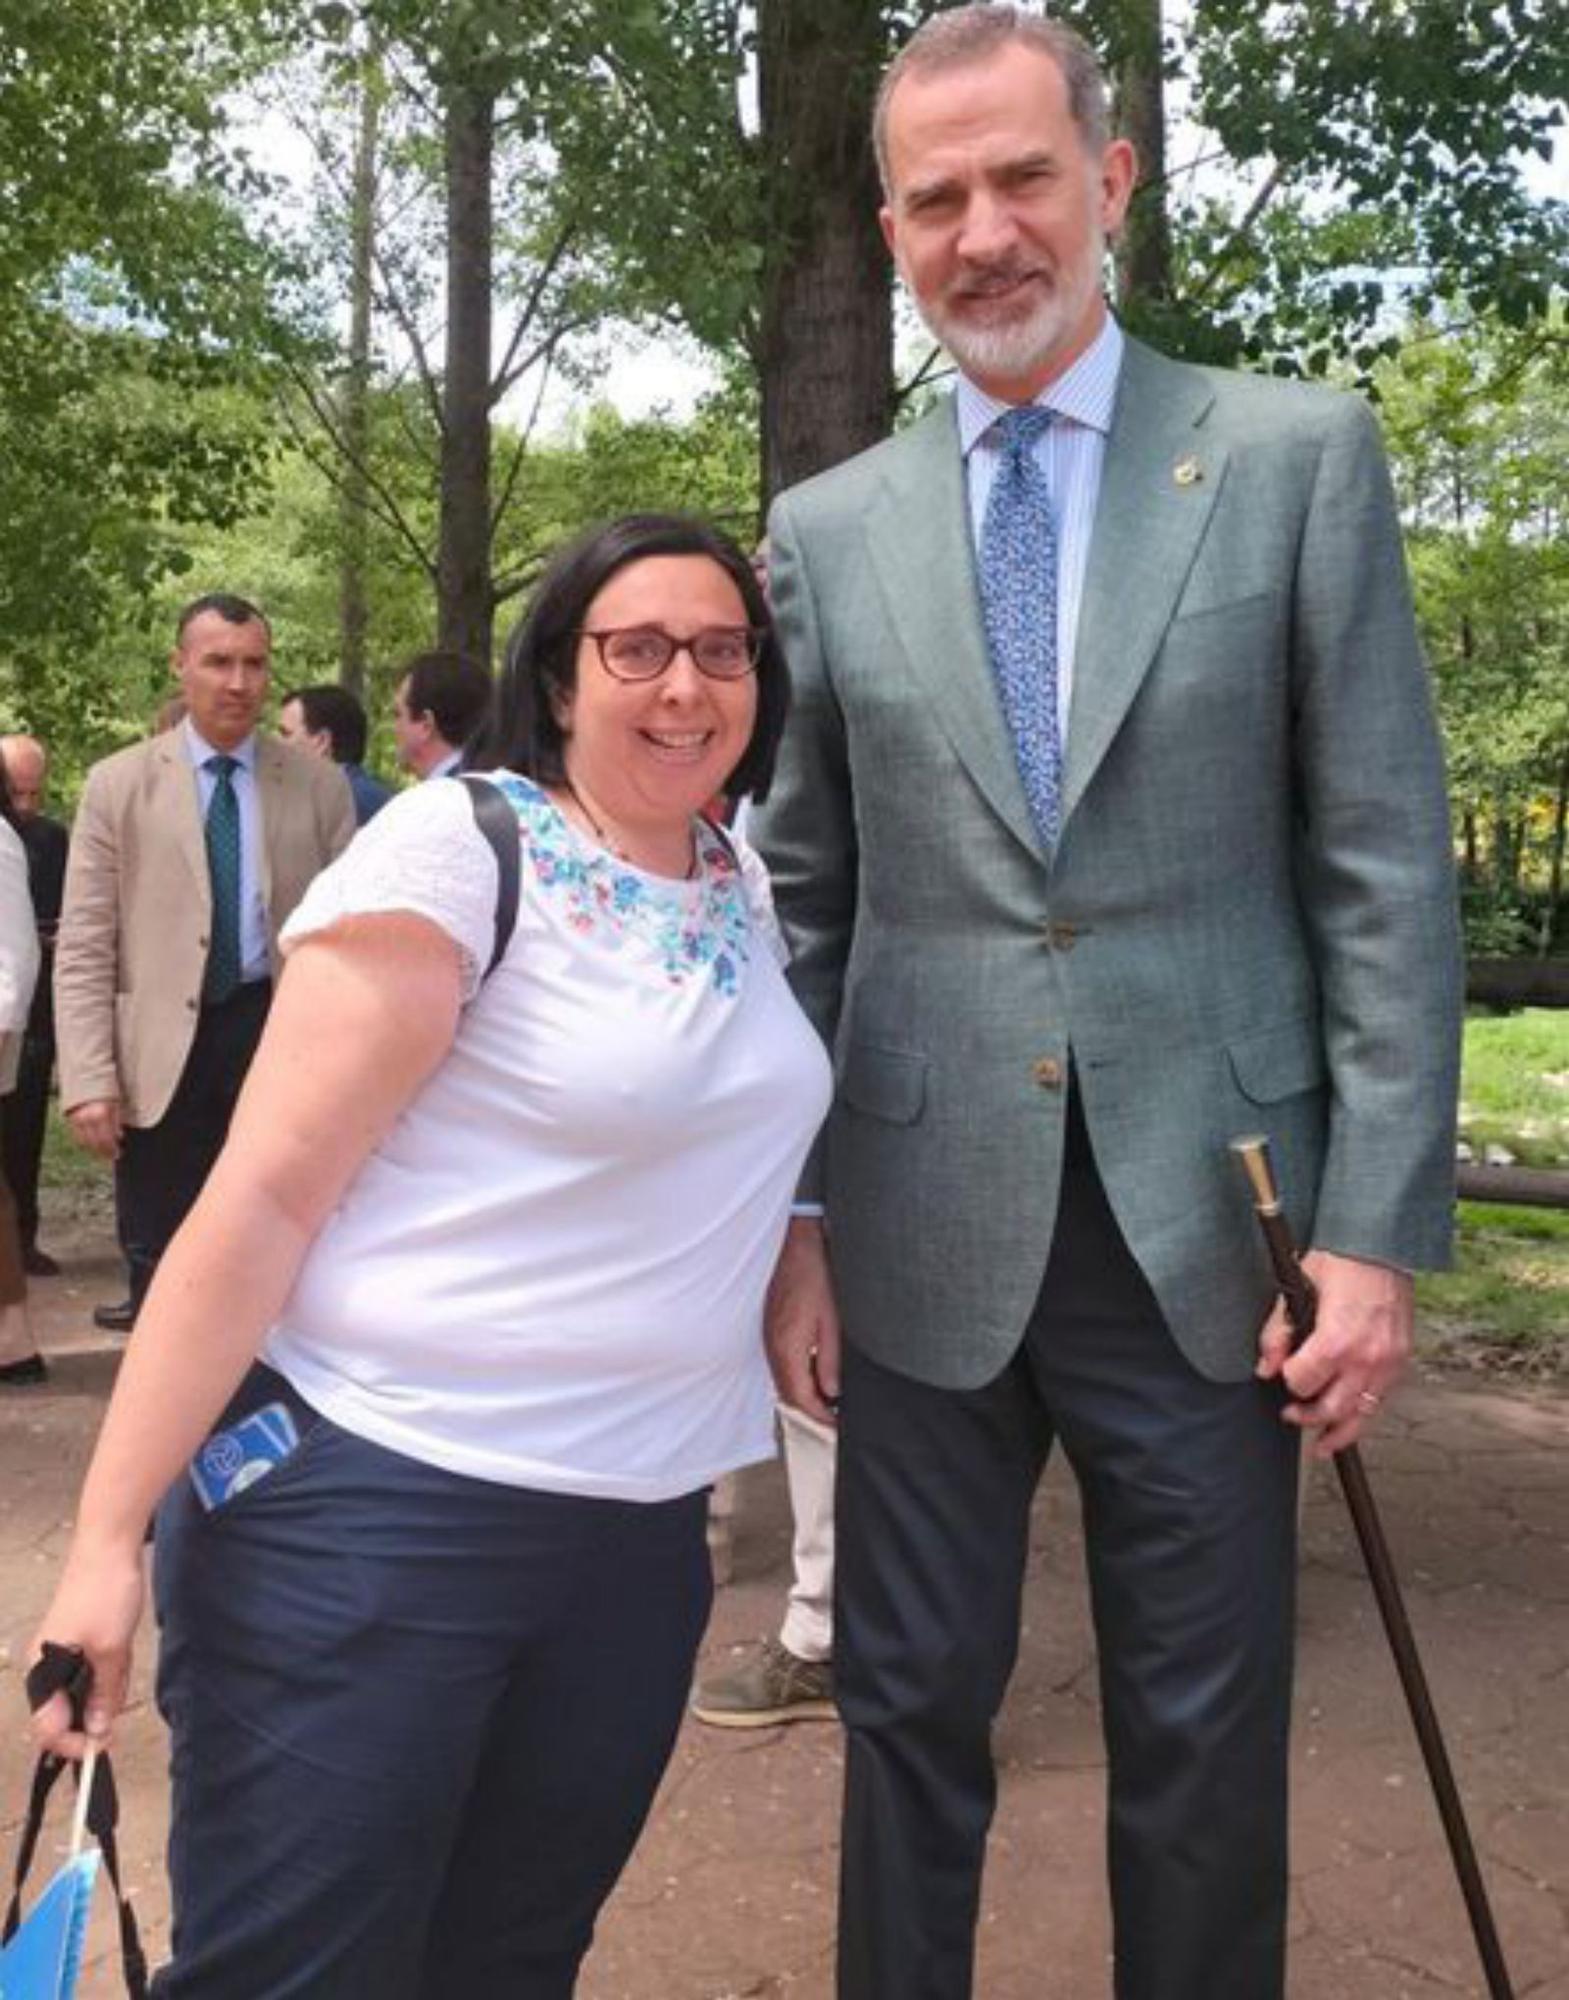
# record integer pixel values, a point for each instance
(731, 1894)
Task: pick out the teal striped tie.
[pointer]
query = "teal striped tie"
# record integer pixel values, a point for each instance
(223, 866)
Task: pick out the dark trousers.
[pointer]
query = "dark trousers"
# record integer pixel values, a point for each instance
(1188, 1491)
(162, 1167)
(417, 1722)
(13, 1278)
(22, 1144)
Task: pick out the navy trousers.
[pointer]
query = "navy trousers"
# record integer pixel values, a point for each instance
(162, 1168)
(417, 1721)
(1188, 1490)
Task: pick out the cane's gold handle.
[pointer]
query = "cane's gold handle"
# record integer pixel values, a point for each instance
(1253, 1152)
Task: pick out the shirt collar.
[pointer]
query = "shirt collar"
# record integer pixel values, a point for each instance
(1085, 393)
(198, 749)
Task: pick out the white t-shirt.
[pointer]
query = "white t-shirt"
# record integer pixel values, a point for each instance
(551, 1272)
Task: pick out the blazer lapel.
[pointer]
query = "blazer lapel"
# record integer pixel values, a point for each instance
(1158, 485)
(923, 554)
(181, 793)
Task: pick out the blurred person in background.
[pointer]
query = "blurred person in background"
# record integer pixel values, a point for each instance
(21, 1365)
(329, 721)
(26, 765)
(440, 700)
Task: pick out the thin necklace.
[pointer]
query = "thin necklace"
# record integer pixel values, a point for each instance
(606, 840)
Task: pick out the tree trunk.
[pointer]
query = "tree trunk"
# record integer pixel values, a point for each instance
(1555, 875)
(1506, 863)
(826, 360)
(354, 506)
(1143, 251)
(463, 586)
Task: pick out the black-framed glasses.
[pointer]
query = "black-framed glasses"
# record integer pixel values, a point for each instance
(642, 652)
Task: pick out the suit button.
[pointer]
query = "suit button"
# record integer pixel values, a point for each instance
(1048, 1073)
(1062, 937)
(204, 942)
(191, 1004)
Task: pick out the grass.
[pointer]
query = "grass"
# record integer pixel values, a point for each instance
(1515, 1091)
(79, 1187)
(1506, 1303)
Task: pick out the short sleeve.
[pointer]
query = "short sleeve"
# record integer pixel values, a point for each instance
(759, 897)
(424, 855)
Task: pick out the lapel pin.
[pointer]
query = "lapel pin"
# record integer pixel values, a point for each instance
(1187, 472)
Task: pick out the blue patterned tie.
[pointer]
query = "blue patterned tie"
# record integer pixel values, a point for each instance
(1019, 603)
(223, 865)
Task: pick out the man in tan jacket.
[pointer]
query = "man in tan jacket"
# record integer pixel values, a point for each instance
(188, 853)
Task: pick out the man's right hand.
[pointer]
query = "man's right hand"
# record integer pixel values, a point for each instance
(97, 1126)
(801, 1323)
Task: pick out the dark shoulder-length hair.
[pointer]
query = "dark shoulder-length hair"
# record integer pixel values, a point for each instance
(540, 667)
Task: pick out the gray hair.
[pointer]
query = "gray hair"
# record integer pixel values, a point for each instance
(959, 37)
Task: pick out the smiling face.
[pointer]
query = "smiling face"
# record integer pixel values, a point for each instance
(998, 213)
(222, 669)
(649, 754)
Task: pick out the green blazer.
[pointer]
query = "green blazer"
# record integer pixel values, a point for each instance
(1249, 921)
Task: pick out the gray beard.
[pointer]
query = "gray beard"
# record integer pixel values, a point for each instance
(1011, 353)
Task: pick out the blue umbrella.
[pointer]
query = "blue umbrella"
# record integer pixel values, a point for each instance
(42, 1961)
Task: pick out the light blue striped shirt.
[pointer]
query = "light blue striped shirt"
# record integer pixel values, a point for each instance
(1071, 453)
(255, 958)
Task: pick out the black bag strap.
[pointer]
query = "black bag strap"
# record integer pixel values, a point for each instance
(64, 1670)
(496, 820)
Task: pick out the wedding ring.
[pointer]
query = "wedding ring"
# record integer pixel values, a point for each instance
(1367, 1402)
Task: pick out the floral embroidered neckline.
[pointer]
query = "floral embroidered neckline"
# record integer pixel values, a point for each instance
(699, 927)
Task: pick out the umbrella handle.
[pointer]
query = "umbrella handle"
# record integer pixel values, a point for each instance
(84, 1792)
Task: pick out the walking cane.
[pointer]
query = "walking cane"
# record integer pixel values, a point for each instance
(1301, 1302)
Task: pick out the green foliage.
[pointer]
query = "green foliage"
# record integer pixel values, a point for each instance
(1477, 425)
(613, 465)
(1506, 1303)
(1360, 157)
(138, 314)
(1410, 119)
(88, 699)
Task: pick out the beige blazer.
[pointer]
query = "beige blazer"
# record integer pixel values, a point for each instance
(135, 926)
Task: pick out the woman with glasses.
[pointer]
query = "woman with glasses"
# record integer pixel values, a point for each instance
(463, 1327)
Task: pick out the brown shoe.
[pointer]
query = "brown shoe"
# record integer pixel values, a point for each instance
(771, 1685)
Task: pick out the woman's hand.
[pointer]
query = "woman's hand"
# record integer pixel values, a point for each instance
(97, 1607)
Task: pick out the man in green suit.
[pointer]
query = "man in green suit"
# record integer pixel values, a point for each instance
(1111, 825)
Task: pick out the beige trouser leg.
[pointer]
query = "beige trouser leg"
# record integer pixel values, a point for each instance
(811, 1456)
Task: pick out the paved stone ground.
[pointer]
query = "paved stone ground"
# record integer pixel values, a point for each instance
(731, 1894)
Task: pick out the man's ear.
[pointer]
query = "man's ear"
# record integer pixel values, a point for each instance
(1119, 176)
